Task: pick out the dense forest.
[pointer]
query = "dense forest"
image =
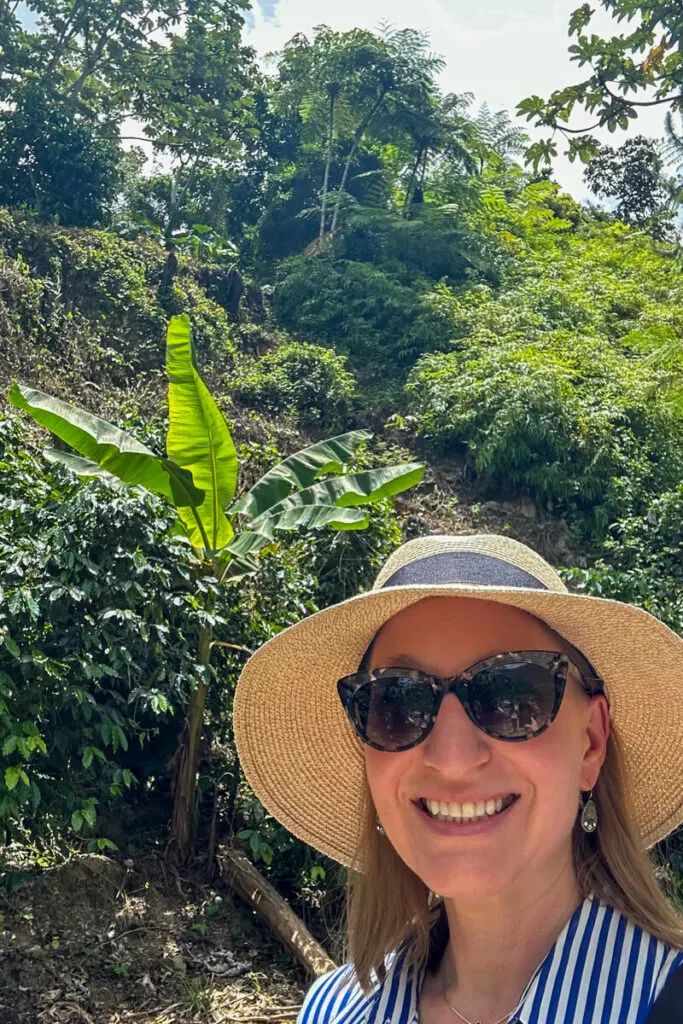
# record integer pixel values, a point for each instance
(373, 271)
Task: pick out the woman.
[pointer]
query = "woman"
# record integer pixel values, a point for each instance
(492, 757)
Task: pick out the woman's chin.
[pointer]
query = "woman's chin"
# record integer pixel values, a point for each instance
(467, 884)
(463, 875)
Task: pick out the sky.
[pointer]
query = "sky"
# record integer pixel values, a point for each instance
(501, 50)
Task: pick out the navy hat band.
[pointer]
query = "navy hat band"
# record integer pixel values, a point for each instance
(462, 567)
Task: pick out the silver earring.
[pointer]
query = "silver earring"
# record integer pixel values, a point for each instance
(380, 827)
(589, 815)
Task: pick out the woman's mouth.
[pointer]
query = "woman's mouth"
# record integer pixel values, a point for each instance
(466, 813)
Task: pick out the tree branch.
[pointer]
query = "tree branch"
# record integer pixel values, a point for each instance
(65, 38)
(640, 103)
(152, 142)
(74, 89)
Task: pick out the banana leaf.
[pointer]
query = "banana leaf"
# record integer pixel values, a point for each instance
(80, 466)
(110, 448)
(347, 491)
(299, 471)
(198, 439)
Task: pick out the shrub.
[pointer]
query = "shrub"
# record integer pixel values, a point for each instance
(359, 309)
(89, 302)
(643, 561)
(97, 634)
(583, 430)
(310, 381)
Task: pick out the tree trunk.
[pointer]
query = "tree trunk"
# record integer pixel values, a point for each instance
(330, 138)
(183, 823)
(241, 875)
(411, 183)
(362, 128)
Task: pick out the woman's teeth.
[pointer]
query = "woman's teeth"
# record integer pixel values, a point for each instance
(466, 812)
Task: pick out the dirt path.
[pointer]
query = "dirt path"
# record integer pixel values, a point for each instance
(97, 941)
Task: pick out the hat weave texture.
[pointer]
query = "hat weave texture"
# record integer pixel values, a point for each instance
(304, 761)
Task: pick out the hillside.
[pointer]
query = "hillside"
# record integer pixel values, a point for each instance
(342, 248)
(541, 418)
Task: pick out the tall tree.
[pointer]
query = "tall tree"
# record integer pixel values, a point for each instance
(633, 176)
(349, 87)
(315, 79)
(397, 71)
(440, 130)
(198, 98)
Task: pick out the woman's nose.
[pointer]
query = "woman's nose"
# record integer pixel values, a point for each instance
(455, 744)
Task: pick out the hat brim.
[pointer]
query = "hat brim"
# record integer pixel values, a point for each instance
(306, 765)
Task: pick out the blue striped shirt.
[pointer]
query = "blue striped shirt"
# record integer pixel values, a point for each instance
(602, 969)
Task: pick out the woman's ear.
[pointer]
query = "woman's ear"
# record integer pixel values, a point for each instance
(596, 733)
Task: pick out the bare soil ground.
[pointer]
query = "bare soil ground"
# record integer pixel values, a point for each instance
(98, 941)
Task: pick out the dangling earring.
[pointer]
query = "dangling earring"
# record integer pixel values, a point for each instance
(589, 815)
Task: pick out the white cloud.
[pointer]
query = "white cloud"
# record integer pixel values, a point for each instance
(501, 52)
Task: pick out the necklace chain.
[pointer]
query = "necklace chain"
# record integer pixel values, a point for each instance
(453, 1009)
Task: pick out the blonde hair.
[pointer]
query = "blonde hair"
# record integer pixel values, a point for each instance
(388, 905)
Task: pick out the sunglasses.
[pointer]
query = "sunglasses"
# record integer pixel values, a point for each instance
(510, 697)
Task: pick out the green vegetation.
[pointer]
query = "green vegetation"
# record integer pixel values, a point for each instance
(198, 477)
(309, 381)
(368, 279)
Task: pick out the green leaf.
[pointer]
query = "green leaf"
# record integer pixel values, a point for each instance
(247, 542)
(106, 844)
(580, 18)
(12, 775)
(80, 466)
(532, 107)
(10, 745)
(90, 815)
(314, 517)
(266, 853)
(198, 439)
(351, 490)
(77, 821)
(12, 646)
(300, 470)
(108, 447)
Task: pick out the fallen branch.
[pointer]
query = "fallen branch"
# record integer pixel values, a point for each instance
(241, 875)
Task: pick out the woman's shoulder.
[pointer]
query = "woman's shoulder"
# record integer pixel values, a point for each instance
(334, 998)
(615, 965)
(338, 997)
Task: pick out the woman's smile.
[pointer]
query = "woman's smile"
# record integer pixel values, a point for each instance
(467, 824)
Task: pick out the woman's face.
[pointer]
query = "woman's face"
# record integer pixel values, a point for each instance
(531, 841)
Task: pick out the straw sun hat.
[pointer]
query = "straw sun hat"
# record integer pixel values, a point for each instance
(306, 765)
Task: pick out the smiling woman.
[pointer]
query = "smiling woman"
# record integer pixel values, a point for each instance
(493, 791)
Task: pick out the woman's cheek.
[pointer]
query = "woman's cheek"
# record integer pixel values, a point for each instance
(387, 776)
(381, 770)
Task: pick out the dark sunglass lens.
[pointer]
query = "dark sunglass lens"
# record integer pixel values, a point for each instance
(394, 711)
(513, 701)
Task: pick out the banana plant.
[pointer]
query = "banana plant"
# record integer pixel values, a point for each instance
(198, 475)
